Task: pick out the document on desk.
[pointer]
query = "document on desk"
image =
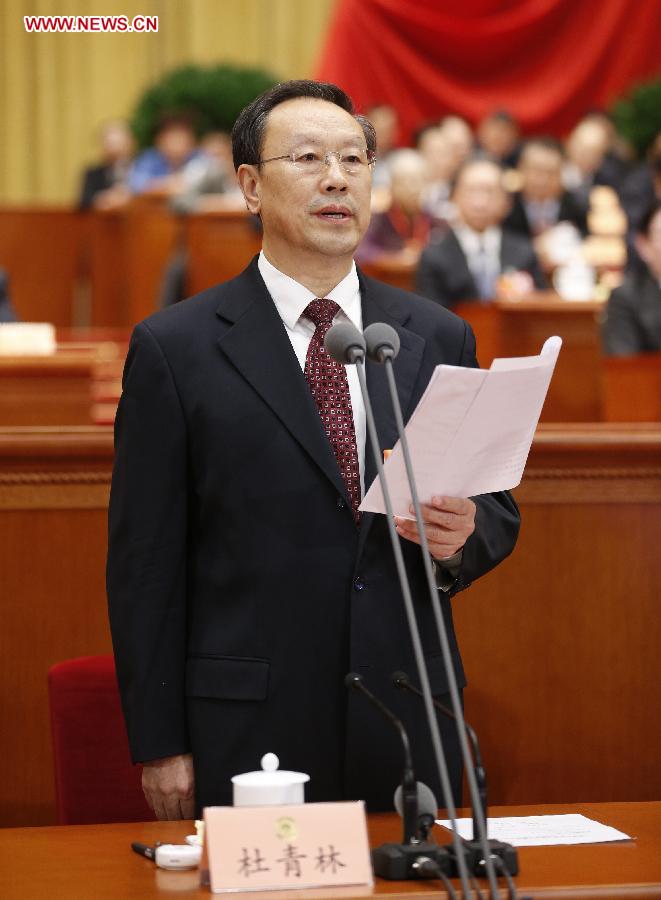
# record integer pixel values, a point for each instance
(542, 831)
(471, 432)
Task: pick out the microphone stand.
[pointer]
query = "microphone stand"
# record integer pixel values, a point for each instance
(402, 681)
(356, 355)
(398, 862)
(483, 860)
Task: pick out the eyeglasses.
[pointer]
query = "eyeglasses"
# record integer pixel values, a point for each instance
(313, 162)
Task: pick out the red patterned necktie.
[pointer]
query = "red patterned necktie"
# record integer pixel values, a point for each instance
(329, 386)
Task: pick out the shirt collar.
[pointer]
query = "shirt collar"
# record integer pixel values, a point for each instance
(291, 297)
(471, 240)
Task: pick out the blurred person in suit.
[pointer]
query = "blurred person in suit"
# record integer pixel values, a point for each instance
(499, 137)
(104, 185)
(385, 122)
(459, 136)
(638, 191)
(467, 262)
(404, 228)
(632, 322)
(243, 582)
(542, 201)
(434, 147)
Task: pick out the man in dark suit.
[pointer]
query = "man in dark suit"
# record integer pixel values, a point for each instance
(243, 583)
(633, 315)
(542, 201)
(104, 185)
(466, 263)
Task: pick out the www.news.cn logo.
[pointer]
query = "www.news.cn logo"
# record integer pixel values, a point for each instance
(90, 23)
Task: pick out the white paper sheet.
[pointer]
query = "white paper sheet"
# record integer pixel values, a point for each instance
(540, 831)
(471, 431)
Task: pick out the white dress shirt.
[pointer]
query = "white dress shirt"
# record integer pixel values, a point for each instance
(291, 299)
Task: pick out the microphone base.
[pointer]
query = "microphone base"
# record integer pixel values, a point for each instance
(475, 857)
(396, 862)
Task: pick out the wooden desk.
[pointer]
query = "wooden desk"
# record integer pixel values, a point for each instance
(560, 642)
(631, 388)
(41, 247)
(96, 861)
(61, 389)
(219, 246)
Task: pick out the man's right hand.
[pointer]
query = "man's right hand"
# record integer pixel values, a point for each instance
(169, 786)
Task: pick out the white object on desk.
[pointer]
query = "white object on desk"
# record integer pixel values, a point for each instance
(270, 787)
(540, 831)
(27, 339)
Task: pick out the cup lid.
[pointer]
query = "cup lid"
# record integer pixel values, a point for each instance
(270, 775)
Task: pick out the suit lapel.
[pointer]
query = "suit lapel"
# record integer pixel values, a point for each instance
(379, 306)
(258, 346)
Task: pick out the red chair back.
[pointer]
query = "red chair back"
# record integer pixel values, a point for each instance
(95, 780)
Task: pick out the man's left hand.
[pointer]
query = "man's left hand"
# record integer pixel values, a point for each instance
(449, 522)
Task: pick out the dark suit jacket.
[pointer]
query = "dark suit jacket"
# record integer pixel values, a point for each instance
(95, 180)
(570, 211)
(240, 590)
(443, 274)
(633, 317)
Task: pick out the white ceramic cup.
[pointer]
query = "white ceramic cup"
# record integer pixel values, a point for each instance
(270, 786)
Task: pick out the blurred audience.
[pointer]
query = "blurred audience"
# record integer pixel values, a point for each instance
(586, 148)
(459, 136)
(542, 201)
(160, 169)
(470, 260)
(435, 149)
(499, 137)
(404, 228)
(104, 185)
(386, 125)
(209, 182)
(633, 314)
(641, 188)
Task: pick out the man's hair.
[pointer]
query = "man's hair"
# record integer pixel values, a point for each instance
(248, 131)
(476, 159)
(646, 222)
(545, 143)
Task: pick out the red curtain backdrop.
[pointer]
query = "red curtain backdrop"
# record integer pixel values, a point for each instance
(546, 61)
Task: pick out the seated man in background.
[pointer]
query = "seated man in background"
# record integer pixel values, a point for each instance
(436, 150)
(459, 136)
(159, 170)
(498, 136)
(385, 122)
(104, 185)
(542, 201)
(468, 261)
(404, 228)
(633, 314)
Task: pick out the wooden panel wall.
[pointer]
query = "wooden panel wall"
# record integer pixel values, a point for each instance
(53, 510)
(561, 642)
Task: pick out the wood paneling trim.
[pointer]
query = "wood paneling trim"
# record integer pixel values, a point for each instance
(626, 485)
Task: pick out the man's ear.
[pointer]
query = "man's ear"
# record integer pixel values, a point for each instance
(248, 177)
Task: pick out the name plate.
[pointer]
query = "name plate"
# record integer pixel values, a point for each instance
(271, 848)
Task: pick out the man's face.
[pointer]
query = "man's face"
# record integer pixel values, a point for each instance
(479, 196)
(302, 213)
(176, 143)
(541, 170)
